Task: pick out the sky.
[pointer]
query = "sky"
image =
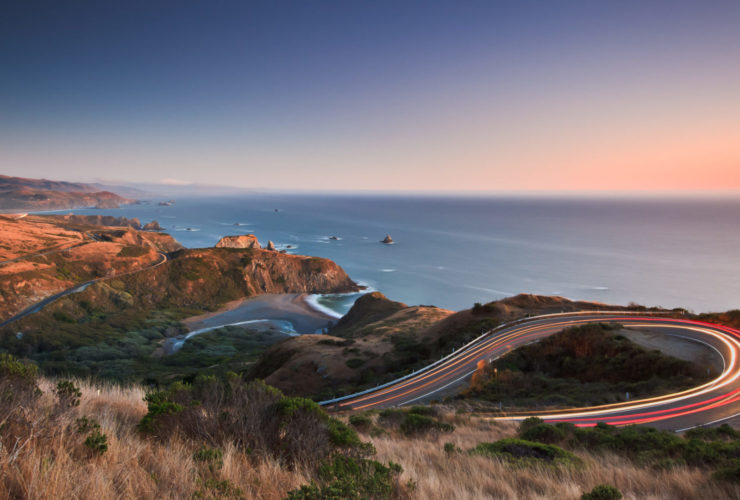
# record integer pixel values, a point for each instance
(461, 96)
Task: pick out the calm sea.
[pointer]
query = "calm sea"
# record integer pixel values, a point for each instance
(452, 252)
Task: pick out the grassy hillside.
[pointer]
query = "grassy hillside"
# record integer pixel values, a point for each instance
(223, 438)
(374, 342)
(585, 365)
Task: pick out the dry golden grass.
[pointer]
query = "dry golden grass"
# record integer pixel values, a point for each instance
(438, 475)
(53, 464)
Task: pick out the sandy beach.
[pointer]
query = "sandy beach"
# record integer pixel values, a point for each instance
(283, 307)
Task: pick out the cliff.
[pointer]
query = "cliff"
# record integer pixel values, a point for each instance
(241, 241)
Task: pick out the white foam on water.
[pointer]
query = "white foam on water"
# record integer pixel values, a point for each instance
(313, 303)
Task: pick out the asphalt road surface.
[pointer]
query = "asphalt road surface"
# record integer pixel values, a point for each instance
(712, 402)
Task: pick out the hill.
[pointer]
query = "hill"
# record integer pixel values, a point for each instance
(588, 365)
(379, 340)
(142, 284)
(18, 193)
(95, 441)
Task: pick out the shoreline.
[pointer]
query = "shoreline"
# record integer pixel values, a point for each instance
(294, 308)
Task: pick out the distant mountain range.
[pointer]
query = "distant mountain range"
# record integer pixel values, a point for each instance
(18, 193)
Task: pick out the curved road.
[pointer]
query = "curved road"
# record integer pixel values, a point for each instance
(714, 401)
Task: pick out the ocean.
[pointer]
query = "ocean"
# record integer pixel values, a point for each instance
(452, 252)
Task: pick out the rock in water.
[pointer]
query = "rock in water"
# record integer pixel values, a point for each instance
(387, 240)
(270, 245)
(153, 226)
(241, 241)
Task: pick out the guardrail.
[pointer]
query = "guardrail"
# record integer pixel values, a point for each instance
(482, 336)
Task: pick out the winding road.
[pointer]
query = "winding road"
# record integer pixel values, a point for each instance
(75, 289)
(712, 402)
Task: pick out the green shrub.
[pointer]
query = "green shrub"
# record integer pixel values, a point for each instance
(68, 393)
(97, 442)
(602, 492)
(423, 410)
(63, 317)
(253, 415)
(132, 251)
(213, 488)
(86, 424)
(724, 431)
(544, 433)
(360, 421)
(451, 449)
(524, 452)
(354, 363)
(351, 478)
(212, 457)
(414, 424)
(729, 473)
(528, 423)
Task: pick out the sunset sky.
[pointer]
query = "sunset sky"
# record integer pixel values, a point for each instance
(397, 95)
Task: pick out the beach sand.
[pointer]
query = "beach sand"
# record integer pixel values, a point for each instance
(290, 307)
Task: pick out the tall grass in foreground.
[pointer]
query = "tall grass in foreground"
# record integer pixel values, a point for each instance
(53, 462)
(438, 472)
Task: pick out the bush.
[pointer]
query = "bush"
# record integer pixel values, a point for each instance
(521, 451)
(602, 492)
(354, 363)
(68, 394)
(86, 424)
(414, 424)
(254, 416)
(212, 457)
(423, 410)
(18, 387)
(97, 442)
(528, 423)
(451, 449)
(544, 433)
(351, 478)
(724, 431)
(731, 473)
(360, 421)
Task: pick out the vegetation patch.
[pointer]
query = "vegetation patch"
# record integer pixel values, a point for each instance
(602, 492)
(345, 477)
(585, 365)
(133, 251)
(718, 449)
(521, 451)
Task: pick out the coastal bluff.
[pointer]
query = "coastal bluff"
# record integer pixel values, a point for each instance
(240, 241)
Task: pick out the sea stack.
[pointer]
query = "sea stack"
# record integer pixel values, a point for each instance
(153, 226)
(387, 240)
(270, 245)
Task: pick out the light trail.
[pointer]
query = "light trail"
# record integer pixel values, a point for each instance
(714, 400)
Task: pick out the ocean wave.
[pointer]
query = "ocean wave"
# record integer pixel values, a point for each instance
(343, 300)
(488, 290)
(387, 270)
(313, 303)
